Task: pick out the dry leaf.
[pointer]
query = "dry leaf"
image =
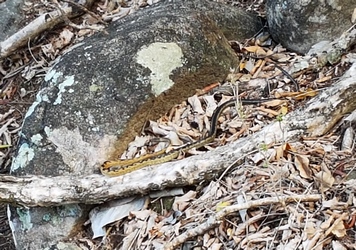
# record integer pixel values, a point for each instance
(339, 229)
(196, 104)
(258, 157)
(353, 17)
(337, 245)
(274, 103)
(174, 138)
(111, 212)
(326, 224)
(268, 111)
(302, 164)
(310, 230)
(257, 50)
(330, 203)
(324, 79)
(250, 64)
(279, 152)
(251, 49)
(282, 150)
(308, 93)
(157, 129)
(242, 65)
(210, 105)
(325, 177)
(181, 202)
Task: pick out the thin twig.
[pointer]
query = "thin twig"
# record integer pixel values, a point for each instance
(216, 219)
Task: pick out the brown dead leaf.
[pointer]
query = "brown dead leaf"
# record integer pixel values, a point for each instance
(310, 230)
(324, 79)
(270, 112)
(326, 180)
(279, 152)
(280, 57)
(282, 150)
(181, 202)
(251, 49)
(256, 67)
(242, 65)
(302, 164)
(326, 224)
(317, 151)
(338, 228)
(64, 39)
(257, 50)
(297, 95)
(274, 103)
(142, 215)
(308, 93)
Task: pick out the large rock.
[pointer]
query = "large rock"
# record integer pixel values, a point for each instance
(98, 96)
(10, 18)
(298, 25)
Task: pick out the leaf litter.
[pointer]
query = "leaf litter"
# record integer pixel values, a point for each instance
(294, 195)
(237, 210)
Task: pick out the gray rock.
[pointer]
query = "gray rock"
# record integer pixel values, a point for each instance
(98, 96)
(298, 25)
(10, 18)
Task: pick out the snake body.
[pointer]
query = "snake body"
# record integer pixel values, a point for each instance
(121, 167)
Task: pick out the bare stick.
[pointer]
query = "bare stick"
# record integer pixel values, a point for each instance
(36, 27)
(215, 220)
(316, 118)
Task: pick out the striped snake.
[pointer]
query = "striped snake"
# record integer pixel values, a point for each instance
(121, 167)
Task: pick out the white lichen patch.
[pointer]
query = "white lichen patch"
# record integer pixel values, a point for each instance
(161, 59)
(95, 88)
(24, 156)
(52, 75)
(39, 98)
(25, 218)
(79, 155)
(69, 81)
(36, 139)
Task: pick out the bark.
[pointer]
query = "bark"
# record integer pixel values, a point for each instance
(316, 118)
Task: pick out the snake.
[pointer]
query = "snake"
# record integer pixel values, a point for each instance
(125, 166)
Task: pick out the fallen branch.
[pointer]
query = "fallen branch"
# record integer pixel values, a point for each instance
(215, 220)
(42, 23)
(317, 117)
